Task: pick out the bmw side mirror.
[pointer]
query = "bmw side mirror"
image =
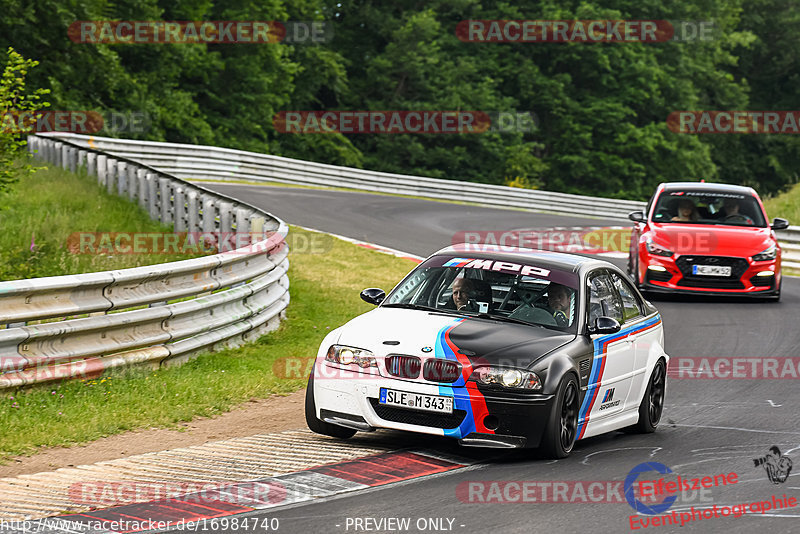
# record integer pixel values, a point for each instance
(779, 224)
(604, 325)
(373, 295)
(636, 216)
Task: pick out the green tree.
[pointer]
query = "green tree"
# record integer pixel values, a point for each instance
(16, 101)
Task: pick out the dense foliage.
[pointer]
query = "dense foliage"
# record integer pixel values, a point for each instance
(15, 101)
(602, 108)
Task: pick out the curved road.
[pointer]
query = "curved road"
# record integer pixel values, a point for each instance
(710, 426)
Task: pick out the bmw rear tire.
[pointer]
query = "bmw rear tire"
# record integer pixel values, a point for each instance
(652, 406)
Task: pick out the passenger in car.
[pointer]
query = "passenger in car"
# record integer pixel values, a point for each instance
(687, 211)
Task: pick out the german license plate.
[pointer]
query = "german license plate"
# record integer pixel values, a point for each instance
(711, 270)
(416, 401)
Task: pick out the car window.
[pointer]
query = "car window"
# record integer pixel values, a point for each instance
(603, 300)
(649, 205)
(410, 287)
(697, 206)
(631, 308)
(466, 286)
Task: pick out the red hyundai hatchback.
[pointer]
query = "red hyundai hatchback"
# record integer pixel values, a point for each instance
(706, 238)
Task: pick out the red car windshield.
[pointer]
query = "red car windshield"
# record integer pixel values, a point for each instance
(708, 207)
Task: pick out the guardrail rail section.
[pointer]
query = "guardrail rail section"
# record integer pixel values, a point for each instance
(203, 162)
(78, 326)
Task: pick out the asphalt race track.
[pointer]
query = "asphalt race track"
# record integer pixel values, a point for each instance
(710, 426)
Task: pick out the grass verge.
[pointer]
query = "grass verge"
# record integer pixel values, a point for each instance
(786, 205)
(324, 294)
(43, 210)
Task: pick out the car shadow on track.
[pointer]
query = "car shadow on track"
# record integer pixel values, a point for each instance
(449, 447)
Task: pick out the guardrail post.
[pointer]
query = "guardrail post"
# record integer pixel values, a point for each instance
(111, 175)
(152, 195)
(132, 182)
(225, 217)
(242, 217)
(256, 228)
(91, 163)
(122, 177)
(179, 209)
(32, 140)
(193, 212)
(81, 158)
(102, 169)
(65, 157)
(165, 200)
(141, 180)
(209, 215)
(73, 159)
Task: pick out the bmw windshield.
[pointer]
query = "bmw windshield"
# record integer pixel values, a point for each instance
(499, 290)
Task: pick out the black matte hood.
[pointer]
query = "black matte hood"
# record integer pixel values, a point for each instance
(483, 341)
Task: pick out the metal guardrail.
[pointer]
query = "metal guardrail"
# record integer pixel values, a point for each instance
(154, 315)
(203, 162)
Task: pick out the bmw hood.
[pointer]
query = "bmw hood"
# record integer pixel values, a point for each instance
(427, 334)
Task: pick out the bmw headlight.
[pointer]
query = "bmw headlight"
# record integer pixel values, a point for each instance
(658, 250)
(769, 254)
(344, 355)
(506, 377)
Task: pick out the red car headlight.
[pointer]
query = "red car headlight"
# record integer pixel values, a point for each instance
(657, 250)
(769, 254)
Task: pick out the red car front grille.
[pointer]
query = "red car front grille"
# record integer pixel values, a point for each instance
(738, 266)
